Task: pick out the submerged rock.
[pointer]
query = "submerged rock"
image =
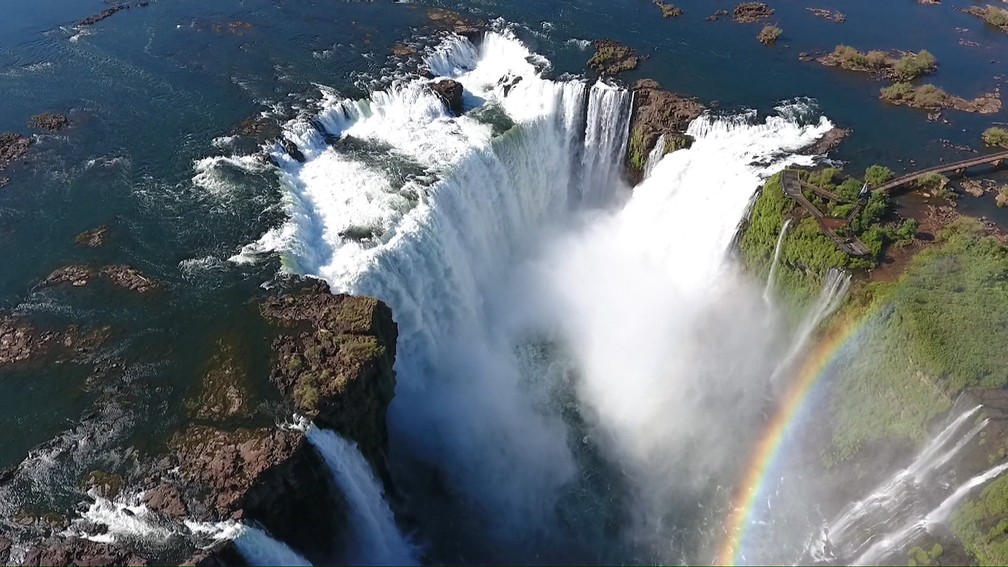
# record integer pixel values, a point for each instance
(716, 16)
(49, 121)
(612, 58)
(451, 93)
(121, 275)
(657, 112)
(108, 12)
(92, 238)
(224, 393)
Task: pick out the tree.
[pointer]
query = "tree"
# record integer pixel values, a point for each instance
(877, 175)
(996, 137)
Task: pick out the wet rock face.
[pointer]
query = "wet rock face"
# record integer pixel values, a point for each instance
(334, 361)
(612, 58)
(827, 142)
(656, 113)
(75, 551)
(748, 12)
(49, 121)
(451, 93)
(270, 476)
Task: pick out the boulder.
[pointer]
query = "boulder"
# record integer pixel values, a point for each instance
(165, 499)
(657, 112)
(129, 278)
(451, 93)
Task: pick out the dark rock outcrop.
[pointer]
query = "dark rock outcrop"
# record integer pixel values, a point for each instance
(451, 93)
(749, 12)
(716, 16)
(92, 238)
(109, 12)
(335, 360)
(455, 22)
(13, 147)
(657, 112)
(224, 394)
(5, 547)
(49, 121)
(121, 275)
(20, 341)
(827, 142)
(836, 16)
(612, 58)
(75, 551)
(269, 476)
(667, 10)
(128, 277)
(292, 150)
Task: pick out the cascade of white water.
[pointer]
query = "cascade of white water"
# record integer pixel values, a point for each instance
(609, 110)
(855, 532)
(767, 291)
(259, 548)
(255, 544)
(448, 246)
(906, 534)
(654, 156)
(377, 539)
(833, 292)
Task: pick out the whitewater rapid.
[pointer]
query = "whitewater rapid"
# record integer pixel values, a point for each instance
(508, 232)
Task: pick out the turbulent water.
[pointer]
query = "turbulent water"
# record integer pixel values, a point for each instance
(548, 321)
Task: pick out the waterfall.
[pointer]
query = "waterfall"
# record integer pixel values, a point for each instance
(898, 497)
(256, 545)
(905, 535)
(377, 539)
(502, 227)
(944, 510)
(259, 548)
(773, 265)
(832, 294)
(655, 156)
(608, 127)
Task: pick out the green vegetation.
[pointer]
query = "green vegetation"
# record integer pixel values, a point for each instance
(807, 253)
(982, 524)
(992, 15)
(769, 34)
(306, 393)
(937, 330)
(924, 96)
(907, 67)
(913, 65)
(920, 556)
(935, 183)
(1002, 197)
(996, 137)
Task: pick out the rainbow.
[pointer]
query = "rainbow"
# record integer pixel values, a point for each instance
(767, 451)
